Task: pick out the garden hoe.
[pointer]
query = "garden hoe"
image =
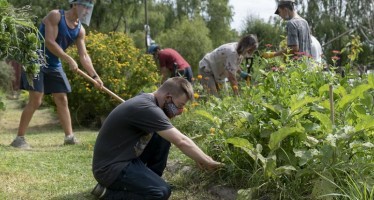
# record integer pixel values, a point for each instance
(80, 72)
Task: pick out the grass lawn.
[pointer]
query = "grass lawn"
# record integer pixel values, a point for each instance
(51, 170)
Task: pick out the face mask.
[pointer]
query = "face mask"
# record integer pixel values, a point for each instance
(84, 10)
(170, 109)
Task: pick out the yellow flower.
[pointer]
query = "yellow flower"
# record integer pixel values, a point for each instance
(235, 87)
(196, 96)
(199, 77)
(195, 104)
(212, 130)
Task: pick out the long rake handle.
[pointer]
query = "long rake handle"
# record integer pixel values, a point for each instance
(80, 72)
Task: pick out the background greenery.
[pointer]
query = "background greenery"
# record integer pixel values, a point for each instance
(278, 139)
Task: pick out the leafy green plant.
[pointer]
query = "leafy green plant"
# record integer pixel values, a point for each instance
(279, 132)
(123, 69)
(19, 37)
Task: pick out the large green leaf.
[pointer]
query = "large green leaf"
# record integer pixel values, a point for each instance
(366, 123)
(300, 103)
(247, 147)
(270, 166)
(324, 119)
(277, 137)
(371, 80)
(205, 114)
(356, 93)
(272, 108)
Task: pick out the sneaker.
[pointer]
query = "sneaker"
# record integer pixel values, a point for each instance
(70, 140)
(98, 191)
(20, 142)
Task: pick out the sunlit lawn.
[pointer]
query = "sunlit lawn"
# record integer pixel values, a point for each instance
(51, 170)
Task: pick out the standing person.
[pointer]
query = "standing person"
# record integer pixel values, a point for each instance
(60, 29)
(224, 62)
(298, 32)
(171, 63)
(316, 49)
(133, 144)
(17, 67)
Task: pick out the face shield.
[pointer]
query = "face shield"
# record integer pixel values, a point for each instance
(84, 10)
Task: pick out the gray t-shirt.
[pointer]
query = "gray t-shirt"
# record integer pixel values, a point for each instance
(298, 34)
(124, 135)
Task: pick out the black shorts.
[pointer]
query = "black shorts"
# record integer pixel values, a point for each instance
(48, 80)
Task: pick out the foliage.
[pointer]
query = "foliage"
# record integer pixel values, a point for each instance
(280, 133)
(346, 17)
(6, 76)
(19, 37)
(266, 33)
(219, 20)
(194, 43)
(123, 69)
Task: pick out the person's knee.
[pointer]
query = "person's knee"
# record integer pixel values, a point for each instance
(60, 100)
(162, 193)
(34, 103)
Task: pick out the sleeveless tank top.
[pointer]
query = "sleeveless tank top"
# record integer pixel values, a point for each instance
(66, 36)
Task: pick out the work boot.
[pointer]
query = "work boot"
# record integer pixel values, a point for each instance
(20, 143)
(98, 191)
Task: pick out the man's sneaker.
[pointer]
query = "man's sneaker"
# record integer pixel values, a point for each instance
(71, 139)
(20, 142)
(98, 191)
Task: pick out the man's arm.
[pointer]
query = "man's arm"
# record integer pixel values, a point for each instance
(51, 31)
(85, 58)
(188, 147)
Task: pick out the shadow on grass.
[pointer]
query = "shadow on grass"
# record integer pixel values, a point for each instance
(36, 129)
(85, 195)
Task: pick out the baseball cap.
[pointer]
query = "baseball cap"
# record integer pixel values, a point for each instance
(284, 2)
(153, 48)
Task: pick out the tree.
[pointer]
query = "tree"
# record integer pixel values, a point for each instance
(219, 17)
(266, 32)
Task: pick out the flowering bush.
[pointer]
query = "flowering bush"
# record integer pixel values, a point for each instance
(123, 69)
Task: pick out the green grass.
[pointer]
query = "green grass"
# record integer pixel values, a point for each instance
(51, 170)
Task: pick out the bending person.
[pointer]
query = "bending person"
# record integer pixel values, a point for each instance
(224, 62)
(171, 63)
(133, 144)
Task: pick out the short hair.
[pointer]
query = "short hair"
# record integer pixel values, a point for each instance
(177, 86)
(246, 42)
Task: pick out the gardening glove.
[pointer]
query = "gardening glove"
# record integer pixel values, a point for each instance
(244, 75)
(268, 55)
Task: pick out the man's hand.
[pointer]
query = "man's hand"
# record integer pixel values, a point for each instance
(268, 55)
(244, 75)
(99, 83)
(210, 165)
(73, 65)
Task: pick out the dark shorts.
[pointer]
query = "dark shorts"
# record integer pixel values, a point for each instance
(49, 80)
(186, 73)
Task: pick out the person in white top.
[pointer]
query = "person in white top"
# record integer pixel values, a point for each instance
(224, 62)
(316, 49)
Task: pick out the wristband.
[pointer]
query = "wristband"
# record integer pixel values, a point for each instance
(94, 76)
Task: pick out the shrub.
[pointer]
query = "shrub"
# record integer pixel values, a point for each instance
(6, 76)
(123, 69)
